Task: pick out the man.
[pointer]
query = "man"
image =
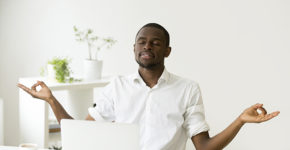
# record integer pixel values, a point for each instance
(168, 108)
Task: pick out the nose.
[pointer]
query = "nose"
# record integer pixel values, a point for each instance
(147, 46)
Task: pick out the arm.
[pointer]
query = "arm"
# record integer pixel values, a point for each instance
(202, 141)
(58, 110)
(45, 94)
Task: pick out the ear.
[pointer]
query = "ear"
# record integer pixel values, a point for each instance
(134, 47)
(168, 51)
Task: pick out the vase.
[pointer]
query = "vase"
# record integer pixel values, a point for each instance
(51, 74)
(92, 70)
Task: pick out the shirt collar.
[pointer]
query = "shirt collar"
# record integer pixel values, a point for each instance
(164, 76)
(137, 78)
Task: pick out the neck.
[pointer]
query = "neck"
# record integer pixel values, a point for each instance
(151, 76)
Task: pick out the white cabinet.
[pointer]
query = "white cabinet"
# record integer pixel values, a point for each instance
(34, 113)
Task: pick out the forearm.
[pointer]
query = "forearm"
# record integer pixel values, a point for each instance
(58, 110)
(202, 141)
(222, 139)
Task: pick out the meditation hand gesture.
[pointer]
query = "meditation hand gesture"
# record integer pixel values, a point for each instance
(251, 115)
(44, 93)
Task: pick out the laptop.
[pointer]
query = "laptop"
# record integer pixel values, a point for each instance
(93, 135)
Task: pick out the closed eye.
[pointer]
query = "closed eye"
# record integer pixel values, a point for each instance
(141, 42)
(157, 43)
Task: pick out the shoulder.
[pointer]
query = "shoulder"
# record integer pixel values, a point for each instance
(116, 83)
(189, 83)
(189, 87)
(121, 79)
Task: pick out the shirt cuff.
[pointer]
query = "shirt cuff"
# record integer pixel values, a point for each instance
(201, 127)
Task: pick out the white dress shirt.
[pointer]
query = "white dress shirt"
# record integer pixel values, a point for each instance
(168, 114)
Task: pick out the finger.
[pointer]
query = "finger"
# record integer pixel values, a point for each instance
(256, 106)
(270, 116)
(276, 113)
(42, 84)
(33, 87)
(26, 89)
(263, 110)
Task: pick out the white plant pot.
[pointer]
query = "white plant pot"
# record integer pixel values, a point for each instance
(92, 70)
(51, 74)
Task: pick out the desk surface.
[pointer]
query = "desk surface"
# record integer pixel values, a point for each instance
(14, 148)
(66, 86)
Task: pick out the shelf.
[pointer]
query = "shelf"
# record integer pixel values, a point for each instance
(55, 86)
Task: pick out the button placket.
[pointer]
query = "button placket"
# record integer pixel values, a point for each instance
(148, 101)
(147, 109)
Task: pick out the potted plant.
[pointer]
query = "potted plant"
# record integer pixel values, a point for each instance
(58, 70)
(93, 66)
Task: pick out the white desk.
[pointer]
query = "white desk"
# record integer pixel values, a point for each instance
(14, 148)
(33, 113)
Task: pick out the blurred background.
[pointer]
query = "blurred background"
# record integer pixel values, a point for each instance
(238, 51)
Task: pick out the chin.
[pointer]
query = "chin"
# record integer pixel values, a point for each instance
(146, 65)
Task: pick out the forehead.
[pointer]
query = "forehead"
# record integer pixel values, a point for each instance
(151, 32)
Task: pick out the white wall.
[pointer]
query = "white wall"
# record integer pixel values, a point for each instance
(237, 50)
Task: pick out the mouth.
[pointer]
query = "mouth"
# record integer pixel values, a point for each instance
(146, 55)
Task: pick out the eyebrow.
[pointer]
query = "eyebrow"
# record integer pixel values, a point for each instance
(143, 38)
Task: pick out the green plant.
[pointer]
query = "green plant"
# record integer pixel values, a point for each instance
(91, 39)
(62, 70)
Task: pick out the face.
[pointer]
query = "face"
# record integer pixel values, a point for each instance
(150, 48)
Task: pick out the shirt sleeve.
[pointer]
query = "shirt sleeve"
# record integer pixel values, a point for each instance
(104, 108)
(194, 118)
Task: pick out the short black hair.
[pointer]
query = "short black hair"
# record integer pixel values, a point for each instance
(158, 26)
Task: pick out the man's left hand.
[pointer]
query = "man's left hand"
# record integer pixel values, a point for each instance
(251, 114)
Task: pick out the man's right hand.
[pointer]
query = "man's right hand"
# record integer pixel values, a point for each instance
(44, 93)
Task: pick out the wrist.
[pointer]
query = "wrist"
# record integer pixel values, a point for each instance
(50, 99)
(240, 120)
